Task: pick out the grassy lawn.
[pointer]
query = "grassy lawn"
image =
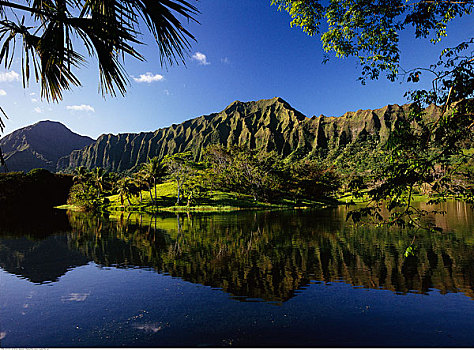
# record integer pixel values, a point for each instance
(215, 201)
(348, 198)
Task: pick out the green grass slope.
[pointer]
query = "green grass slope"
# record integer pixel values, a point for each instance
(214, 201)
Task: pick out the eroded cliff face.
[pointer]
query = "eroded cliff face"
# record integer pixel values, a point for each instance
(272, 125)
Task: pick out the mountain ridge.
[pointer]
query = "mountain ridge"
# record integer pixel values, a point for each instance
(271, 125)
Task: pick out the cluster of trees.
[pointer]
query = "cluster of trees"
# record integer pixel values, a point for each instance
(267, 176)
(38, 189)
(91, 187)
(264, 176)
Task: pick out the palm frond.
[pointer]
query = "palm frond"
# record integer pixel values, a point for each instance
(106, 40)
(109, 29)
(172, 38)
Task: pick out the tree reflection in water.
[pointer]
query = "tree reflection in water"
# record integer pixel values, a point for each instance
(270, 255)
(266, 256)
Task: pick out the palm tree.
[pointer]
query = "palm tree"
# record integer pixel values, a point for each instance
(81, 175)
(140, 180)
(155, 170)
(124, 189)
(99, 179)
(146, 180)
(107, 29)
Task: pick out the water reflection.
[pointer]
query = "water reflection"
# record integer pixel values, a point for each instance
(255, 256)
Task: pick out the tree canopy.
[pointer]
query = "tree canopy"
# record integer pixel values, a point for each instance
(369, 30)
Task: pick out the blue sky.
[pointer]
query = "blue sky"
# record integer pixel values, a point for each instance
(245, 51)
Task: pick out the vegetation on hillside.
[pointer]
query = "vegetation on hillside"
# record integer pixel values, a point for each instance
(233, 177)
(269, 125)
(237, 177)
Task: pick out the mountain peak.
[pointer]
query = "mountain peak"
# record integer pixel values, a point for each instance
(279, 99)
(264, 103)
(40, 145)
(48, 122)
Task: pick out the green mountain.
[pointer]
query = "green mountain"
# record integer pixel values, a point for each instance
(266, 124)
(40, 146)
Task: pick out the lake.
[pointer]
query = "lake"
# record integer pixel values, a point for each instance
(279, 278)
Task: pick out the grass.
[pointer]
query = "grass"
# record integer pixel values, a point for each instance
(69, 207)
(348, 198)
(214, 201)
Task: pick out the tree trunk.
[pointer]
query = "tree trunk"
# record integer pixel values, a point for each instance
(179, 187)
(151, 195)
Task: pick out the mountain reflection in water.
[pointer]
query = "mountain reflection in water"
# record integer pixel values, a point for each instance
(253, 256)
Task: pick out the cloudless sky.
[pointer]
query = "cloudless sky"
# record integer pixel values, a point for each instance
(245, 51)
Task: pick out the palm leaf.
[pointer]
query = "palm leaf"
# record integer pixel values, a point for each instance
(171, 36)
(108, 29)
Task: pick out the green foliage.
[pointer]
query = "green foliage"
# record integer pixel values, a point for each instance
(422, 152)
(90, 188)
(228, 178)
(426, 152)
(410, 251)
(309, 179)
(85, 197)
(181, 169)
(151, 173)
(265, 176)
(125, 188)
(370, 30)
(245, 171)
(196, 185)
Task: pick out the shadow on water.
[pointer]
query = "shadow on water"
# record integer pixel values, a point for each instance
(253, 256)
(34, 245)
(35, 224)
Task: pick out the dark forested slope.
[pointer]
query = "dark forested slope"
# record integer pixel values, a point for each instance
(40, 146)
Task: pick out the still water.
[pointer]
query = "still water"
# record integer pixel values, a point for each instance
(281, 278)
